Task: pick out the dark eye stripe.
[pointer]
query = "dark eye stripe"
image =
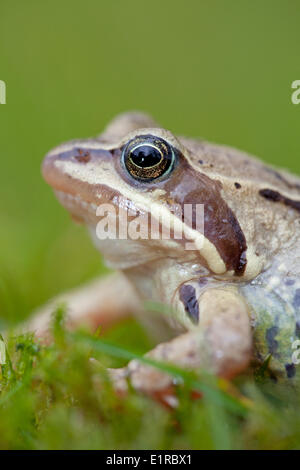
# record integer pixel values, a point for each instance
(221, 227)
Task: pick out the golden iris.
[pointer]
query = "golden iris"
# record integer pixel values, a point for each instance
(147, 157)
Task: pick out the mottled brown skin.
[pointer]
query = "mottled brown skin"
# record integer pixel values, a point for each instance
(232, 299)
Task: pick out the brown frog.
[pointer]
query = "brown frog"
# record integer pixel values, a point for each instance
(230, 283)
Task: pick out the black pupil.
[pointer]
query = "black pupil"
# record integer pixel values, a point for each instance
(145, 156)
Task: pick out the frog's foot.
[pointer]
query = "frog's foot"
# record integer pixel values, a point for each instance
(221, 344)
(95, 304)
(148, 380)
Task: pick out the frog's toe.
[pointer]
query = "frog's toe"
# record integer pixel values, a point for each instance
(145, 379)
(148, 379)
(119, 378)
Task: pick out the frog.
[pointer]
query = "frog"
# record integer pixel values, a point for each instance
(222, 297)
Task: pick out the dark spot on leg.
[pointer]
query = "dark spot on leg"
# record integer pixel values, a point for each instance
(237, 185)
(187, 294)
(289, 282)
(271, 341)
(296, 300)
(200, 161)
(290, 370)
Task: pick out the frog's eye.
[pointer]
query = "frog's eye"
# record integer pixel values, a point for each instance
(147, 157)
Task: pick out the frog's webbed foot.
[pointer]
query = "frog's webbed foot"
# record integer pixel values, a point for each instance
(222, 344)
(101, 302)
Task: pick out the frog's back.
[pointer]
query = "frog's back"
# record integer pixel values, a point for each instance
(238, 165)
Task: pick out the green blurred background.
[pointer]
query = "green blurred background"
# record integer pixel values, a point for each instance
(218, 69)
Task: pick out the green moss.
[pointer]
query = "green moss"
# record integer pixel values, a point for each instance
(54, 397)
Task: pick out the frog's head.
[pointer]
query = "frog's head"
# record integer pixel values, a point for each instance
(138, 167)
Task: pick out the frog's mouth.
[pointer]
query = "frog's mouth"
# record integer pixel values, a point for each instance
(81, 211)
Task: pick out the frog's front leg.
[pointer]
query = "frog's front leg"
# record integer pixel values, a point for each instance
(221, 343)
(101, 302)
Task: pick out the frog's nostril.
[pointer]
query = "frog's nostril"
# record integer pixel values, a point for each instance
(82, 156)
